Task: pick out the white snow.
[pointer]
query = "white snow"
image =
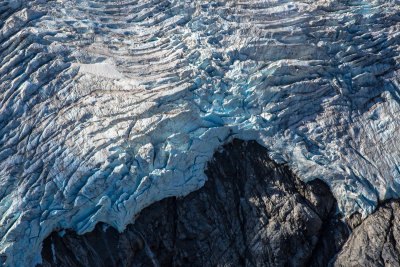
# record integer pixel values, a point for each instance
(105, 110)
(105, 70)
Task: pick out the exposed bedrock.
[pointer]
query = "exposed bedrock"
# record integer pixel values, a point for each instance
(107, 107)
(251, 211)
(376, 242)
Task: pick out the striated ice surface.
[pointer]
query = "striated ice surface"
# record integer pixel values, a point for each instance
(108, 106)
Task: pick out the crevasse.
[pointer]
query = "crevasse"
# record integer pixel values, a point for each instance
(107, 107)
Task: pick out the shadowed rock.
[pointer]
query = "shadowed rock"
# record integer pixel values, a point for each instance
(251, 212)
(107, 107)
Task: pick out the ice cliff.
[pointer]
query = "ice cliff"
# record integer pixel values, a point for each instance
(109, 106)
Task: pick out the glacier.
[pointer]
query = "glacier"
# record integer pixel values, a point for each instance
(109, 106)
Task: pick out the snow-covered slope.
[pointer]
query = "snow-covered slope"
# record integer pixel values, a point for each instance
(108, 106)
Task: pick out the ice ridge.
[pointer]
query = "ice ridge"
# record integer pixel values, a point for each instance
(109, 106)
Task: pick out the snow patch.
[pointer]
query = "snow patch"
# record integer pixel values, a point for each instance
(105, 70)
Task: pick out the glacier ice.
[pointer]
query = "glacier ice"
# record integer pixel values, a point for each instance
(109, 106)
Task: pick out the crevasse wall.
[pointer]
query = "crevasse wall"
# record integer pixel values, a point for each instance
(108, 106)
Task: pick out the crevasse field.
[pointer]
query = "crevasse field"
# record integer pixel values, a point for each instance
(109, 106)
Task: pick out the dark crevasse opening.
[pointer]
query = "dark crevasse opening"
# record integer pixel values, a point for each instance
(251, 212)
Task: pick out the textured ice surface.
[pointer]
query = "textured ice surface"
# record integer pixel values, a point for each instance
(108, 106)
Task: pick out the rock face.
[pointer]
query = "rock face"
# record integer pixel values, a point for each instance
(109, 106)
(251, 212)
(376, 241)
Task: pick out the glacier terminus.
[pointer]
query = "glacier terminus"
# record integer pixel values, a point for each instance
(109, 106)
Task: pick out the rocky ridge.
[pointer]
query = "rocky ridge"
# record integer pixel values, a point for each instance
(251, 212)
(375, 242)
(109, 106)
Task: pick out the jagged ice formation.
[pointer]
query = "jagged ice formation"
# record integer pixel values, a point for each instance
(109, 106)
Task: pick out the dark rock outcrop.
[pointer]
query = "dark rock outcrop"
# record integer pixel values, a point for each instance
(376, 241)
(251, 212)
